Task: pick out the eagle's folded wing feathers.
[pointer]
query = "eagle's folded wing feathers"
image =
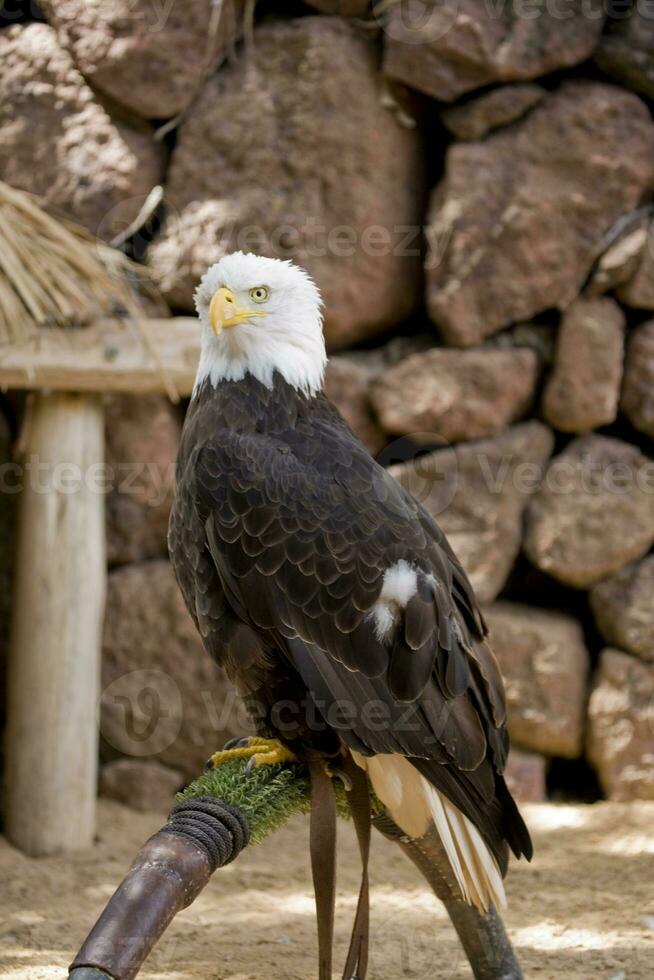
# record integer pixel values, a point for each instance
(309, 556)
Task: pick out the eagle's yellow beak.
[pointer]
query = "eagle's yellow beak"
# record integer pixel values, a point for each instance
(224, 311)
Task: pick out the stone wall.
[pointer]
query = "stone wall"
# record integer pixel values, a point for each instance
(471, 188)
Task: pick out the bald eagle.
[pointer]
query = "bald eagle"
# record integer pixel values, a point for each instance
(329, 595)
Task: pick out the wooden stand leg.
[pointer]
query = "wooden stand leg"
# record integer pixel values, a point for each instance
(54, 660)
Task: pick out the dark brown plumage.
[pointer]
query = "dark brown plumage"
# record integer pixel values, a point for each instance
(282, 529)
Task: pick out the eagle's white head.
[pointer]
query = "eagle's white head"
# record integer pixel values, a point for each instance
(260, 316)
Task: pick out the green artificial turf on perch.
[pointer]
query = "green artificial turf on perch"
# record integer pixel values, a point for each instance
(268, 796)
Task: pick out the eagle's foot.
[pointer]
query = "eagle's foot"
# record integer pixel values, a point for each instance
(258, 751)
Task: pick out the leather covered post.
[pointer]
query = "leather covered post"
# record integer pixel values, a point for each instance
(168, 873)
(170, 870)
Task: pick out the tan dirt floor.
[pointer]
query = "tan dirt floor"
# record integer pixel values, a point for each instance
(583, 909)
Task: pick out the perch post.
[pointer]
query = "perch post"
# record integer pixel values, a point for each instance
(54, 661)
(218, 815)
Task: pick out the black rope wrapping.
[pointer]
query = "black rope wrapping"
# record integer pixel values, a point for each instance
(220, 829)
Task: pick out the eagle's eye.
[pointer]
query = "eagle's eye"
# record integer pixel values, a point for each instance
(259, 294)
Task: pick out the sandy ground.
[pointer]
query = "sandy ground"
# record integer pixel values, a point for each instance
(583, 909)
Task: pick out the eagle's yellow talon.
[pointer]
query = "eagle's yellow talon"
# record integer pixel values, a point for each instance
(273, 756)
(260, 752)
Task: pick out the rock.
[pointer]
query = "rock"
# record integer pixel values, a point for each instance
(140, 785)
(163, 698)
(545, 666)
(476, 118)
(346, 384)
(623, 607)
(620, 733)
(637, 401)
(478, 492)
(455, 395)
(582, 391)
(594, 512)
(300, 160)
(525, 776)
(637, 290)
(445, 49)
(514, 227)
(137, 52)
(56, 140)
(142, 436)
(626, 52)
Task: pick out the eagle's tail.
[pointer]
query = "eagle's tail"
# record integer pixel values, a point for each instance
(413, 803)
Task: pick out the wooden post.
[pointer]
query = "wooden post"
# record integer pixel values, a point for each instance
(54, 660)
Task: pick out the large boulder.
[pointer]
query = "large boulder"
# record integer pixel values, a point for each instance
(594, 512)
(582, 391)
(514, 227)
(446, 49)
(545, 666)
(637, 400)
(626, 52)
(292, 153)
(137, 51)
(346, 383)
(455, 395)
(163, 698)
(623, 607)
(142, 436)
(620, 726)
(474, 119)
(478, 492)
(56, 140)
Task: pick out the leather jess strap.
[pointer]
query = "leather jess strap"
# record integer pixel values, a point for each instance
(322, 834)
(356, 964)
(323, 865)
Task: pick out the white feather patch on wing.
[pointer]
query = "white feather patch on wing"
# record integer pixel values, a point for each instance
(413, 802)
(399, 585)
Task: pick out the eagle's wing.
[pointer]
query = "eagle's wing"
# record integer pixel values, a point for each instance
(304, 548)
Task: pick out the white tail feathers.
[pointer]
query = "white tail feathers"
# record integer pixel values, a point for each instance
(413, 802)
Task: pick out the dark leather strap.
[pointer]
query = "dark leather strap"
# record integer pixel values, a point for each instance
(323, 861)
(323, 865)
(356, 964)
